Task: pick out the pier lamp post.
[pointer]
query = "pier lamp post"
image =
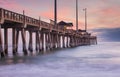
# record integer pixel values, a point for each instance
(77, 15)
(85, 18)
(55, 12)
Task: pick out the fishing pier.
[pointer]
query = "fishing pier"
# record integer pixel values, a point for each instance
(48, 36)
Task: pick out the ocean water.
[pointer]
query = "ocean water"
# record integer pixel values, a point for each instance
(102, 60)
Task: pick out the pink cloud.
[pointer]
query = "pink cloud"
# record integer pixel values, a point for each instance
(63, 14)
(16, 7)
(47, 14)
(12, 5)
(110, 17)
(111, 11)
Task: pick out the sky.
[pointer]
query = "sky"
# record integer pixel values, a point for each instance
(102, 14)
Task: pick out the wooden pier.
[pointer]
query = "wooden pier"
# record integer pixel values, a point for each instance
(47, 35)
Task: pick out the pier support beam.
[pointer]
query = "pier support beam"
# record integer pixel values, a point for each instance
(23, 33)
(44, 38)
(1, 44)
(50, 36)
(14, 41)
(58, 40)
(30, 42)
(52, 41)
(59, 44)
(6, 41)
(42, 41)
(49, 41)
(70, 41)
(96, 40)
(63, 40)
(37, 41)
(75, 41)
(17, 39)
(67, 43)
(46, 41)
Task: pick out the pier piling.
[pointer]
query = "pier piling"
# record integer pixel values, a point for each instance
(14, 41)
(30, 41)
(23, 33)
(6, 41)
(1, 44)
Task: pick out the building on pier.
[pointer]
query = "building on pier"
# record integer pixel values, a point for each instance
(65, 24)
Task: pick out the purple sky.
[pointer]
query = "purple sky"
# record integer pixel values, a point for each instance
(101, 13)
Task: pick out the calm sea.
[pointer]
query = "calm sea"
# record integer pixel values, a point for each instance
(102, 60)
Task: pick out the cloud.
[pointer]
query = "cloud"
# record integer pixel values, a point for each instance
(10, 5)
(108, 34)
(15, 6)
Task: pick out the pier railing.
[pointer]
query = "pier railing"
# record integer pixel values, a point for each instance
(7, 15)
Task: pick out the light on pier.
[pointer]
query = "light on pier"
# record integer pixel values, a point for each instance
(76, 15)
(85, 18)
(55, 12)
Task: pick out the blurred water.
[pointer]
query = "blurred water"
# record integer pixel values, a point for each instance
(101, 60)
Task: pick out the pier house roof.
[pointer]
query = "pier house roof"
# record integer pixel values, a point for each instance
(63, 23)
